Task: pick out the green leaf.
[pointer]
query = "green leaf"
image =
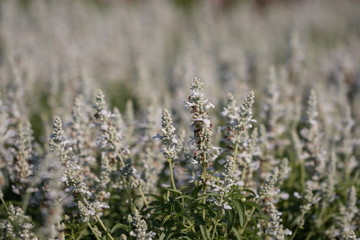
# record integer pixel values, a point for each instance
(165, 219)
(178, 208)
(209, 210)
(172, 190)
(201, 198)
(196, 191)
(252, 204)
(236, 233)
(162, 236)
(183, 196)
(119, 226)
(240, 207)
(206, 196)
(249, 190)
(166, 236)
(255, 226)
(204, 232)
(229, 220)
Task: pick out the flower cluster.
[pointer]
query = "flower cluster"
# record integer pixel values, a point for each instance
(17, 225)
(274, 228)
(201, 126)
(141, 230)
(347, 214)
(267, 190)
(168, 135)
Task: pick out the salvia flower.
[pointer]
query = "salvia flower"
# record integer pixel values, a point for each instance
(123, 237)
(111, 143)
(345, 142)
(230, 113)
(17, 225)
(351, 235)
(314, 154)
(58, 143)
(73, 175)
(223, 183)
(295, 57)
(347, 214)
(309, 199)
(51, 173)
(267, 191)
(311, 110)
(23, 158)
(78, 125)
(141, 230)
(229, 171)
(104, 180)
(242, 124)
(110, 140)
(88, 211)
(271, 108)
(6, 134)
(246, 119)
(85, 213)
(329, 191)
(274, 227)
(236, 131)
(150, 171)
(119, 122)
(168, 137)
(201, 126)
(74, 178)
(81, 139)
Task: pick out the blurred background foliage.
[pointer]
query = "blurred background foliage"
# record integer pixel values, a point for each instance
(149, 51)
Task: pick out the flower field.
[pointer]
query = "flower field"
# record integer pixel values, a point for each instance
(179, 119)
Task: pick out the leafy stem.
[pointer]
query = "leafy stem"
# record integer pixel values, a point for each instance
(217, 217)
(250, 216)
(2, 200)
(93, 231)
(171, 174)
(99, 220)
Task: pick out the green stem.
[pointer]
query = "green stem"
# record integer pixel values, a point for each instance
(248, 219)
(302, 176)
(217, 220)
(99, 220)
(103, 226)
(235, 156)
(93, 231)
(140, 190)
(322, 213)
(167, 195)
(298, 226)
(204, 176)
(295, 232)
(128, 191)
(204, 182)
(143, 196)
(26, 200)
(309, 236)
(2, 200)
(243, 173)
(79, 237)
(171, 174)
